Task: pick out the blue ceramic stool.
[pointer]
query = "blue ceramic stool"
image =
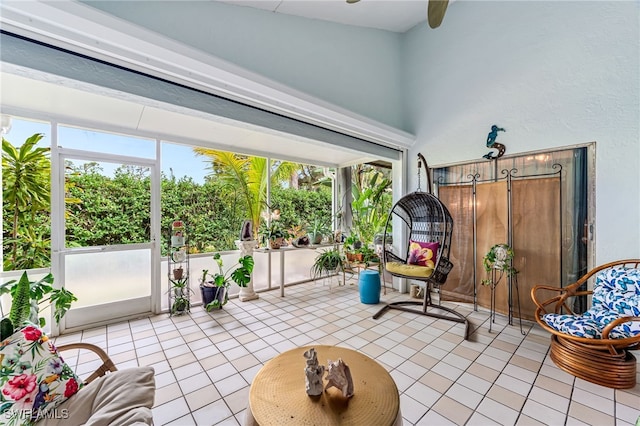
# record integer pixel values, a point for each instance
(369, 286)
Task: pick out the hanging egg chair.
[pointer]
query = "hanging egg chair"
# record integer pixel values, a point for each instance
(428, 227)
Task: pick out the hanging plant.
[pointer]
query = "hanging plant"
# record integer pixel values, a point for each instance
(499, 258)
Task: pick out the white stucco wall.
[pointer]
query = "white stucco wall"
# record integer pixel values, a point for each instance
(553, 74)
(351, 67)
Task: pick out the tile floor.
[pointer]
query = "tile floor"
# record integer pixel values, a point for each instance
(205, 362)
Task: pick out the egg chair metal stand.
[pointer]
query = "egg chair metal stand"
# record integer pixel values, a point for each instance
(425, 220)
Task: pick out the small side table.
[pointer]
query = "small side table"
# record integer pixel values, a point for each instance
(277, 396)
(358, 266)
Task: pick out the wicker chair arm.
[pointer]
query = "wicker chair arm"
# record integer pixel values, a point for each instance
(560, 301)
(617, 322)
(107, 365)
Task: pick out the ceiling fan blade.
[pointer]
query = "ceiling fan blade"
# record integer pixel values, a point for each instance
(435, 12)
(353, 1)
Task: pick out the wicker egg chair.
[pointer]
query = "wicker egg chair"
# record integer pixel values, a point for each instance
(604, 356)
(425, 220)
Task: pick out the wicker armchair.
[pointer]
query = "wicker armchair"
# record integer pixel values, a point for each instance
(595, 346)
(116, 397)
(107, 365)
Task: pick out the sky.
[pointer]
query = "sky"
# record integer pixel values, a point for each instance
(177, 158)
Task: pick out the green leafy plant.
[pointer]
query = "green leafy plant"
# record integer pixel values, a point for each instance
(25, 193)
(499, 259)
(241, 275)
(371, 205)
(326, 263)
(181, 290)
(248, 177)
(318, 228)
(368, 255)
(352, 242)
(27, 297)
(273, 232)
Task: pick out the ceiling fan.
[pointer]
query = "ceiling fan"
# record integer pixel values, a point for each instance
(435, 11)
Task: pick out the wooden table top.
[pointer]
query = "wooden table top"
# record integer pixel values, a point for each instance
(278, 394)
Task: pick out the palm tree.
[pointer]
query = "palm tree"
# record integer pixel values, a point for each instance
(26, 186)
(249, 176)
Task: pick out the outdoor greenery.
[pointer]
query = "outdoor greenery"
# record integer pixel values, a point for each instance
(25, 196)
(103, 210)
(371, 203)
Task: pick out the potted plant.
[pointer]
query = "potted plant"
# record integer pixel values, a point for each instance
(275, 234)
(367, 255)
(181, 291)
(327, 263)
(215, 289)
(27, 296)
(498, 260)
(318, 228)
(351, 245)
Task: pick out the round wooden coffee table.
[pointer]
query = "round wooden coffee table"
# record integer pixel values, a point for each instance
(278, 396)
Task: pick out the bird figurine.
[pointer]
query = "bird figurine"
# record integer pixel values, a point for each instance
(491, 143)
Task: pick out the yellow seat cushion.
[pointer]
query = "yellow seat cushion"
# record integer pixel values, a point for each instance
(409, 270)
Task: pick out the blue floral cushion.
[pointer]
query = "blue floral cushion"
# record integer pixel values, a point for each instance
(616, 294)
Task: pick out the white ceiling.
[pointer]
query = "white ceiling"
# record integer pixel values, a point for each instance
(391, 15)
(72, 102)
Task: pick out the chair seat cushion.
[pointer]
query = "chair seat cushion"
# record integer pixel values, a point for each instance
(409, 270)
(591, 323)
(124, 397)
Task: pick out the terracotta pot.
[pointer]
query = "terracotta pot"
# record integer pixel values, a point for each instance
(178, 274)
(276, 243)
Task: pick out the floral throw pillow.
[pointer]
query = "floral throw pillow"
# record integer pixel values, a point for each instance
(422, 254)
(34, 379)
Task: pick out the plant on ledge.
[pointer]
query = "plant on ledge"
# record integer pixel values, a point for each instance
(318, 229)
(275, 234)
(215, 290)
(27, 296)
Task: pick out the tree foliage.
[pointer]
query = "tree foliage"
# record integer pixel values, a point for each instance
(106, 210)
(248, 175)
(371, 203)
(26, 195)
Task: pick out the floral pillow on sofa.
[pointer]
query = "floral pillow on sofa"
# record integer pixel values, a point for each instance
(34, 379)
(616, 293)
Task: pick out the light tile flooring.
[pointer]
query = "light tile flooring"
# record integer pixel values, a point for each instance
(205, 362)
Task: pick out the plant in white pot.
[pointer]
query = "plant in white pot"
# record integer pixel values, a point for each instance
(214, 287)
(498, 262)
